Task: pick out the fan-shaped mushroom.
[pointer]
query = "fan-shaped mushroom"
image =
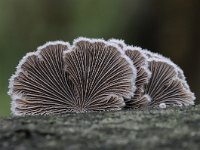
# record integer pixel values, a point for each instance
(40, 85)
(165, 87)
(139, 59)
(179, 70)
(98, 70)
(95, 75)
(143, 74)
(92, 75)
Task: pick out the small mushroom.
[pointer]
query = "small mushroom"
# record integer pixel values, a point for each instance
(165, 87)
(139, 59)
(100, 72)
(40, 85)
(180, 72)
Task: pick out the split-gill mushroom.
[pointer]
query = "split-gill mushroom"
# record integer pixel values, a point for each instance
(139, 59)
(167, 85)
(40, 85)
(91, 75)
(95, 75)
(101, 74)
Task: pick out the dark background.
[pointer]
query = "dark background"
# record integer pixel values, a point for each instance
(170, 27)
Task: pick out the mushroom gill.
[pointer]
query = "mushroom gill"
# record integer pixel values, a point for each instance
(101, 74)
(95, 75)
(40, 85)
(165, 88)
(91, 75)
(139, 59)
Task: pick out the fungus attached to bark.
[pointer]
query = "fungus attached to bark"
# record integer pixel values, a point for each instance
(40, 85)
(139, 59)
(92, 75)
(101, 74)
(165, 87)
(95, 75)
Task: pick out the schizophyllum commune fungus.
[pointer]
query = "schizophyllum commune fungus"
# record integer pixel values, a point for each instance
(95, 75)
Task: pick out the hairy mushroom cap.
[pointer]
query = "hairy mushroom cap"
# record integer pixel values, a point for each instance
(167, 85)
(101, 74)
(139, 59)
(92, 75)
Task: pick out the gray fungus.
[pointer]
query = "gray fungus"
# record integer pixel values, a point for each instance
(95, 75)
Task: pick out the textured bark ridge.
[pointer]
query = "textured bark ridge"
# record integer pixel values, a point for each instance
(95, 75)
(174, 128)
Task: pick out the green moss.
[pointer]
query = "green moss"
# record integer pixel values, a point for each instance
(149, 129)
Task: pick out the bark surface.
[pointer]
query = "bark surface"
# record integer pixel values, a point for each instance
(177, 128)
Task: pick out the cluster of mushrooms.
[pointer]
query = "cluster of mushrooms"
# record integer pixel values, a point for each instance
(95, 75)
